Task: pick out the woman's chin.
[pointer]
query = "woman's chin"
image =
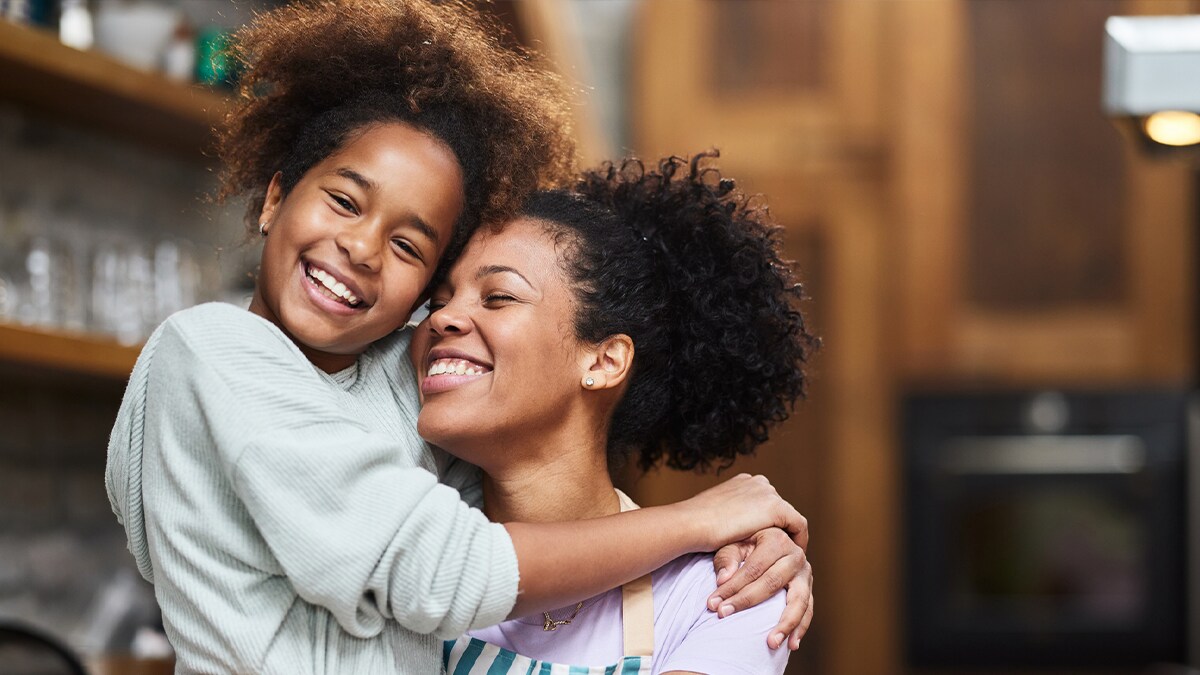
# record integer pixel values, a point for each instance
(447, 434)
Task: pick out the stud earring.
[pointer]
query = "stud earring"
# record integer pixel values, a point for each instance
(589, 382)
(262, 228)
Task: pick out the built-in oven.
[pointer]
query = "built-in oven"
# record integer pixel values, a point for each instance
(1045, 529)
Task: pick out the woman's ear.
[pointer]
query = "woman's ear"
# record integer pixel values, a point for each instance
(608, 363)
(271, 203)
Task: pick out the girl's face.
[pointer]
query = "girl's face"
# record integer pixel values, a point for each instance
(497, 358)
(351, 248)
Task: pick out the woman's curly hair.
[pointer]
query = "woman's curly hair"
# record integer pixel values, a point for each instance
(689, 268)
(315, 72)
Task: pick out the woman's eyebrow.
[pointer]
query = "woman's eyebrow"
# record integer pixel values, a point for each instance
(488, 270)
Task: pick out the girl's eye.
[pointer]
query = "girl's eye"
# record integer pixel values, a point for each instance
(344, 203)
(408, 248)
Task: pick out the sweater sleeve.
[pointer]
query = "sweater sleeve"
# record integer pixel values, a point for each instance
(354, 529)
(462, 476)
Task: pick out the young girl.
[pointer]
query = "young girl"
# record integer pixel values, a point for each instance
(663, 325)
(264, 463)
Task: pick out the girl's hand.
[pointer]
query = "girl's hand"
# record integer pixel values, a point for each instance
(741, 506)
(753, 570)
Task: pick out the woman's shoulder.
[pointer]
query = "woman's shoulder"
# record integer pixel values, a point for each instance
(690, 637)
(689, 581)
(689, 573)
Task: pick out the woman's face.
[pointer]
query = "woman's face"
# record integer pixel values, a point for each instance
(350, 249)
(497, 358)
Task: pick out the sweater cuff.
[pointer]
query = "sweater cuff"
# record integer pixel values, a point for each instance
(505, 575)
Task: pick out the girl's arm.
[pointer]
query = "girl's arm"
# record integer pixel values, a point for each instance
(748, 572)
(562, 563)
(357, 531)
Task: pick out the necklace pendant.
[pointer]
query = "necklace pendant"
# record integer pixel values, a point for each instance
(552, 624)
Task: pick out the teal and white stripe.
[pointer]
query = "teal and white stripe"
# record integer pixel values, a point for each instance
(472, 656)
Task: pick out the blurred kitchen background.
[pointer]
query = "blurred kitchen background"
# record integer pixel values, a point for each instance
(994, 453)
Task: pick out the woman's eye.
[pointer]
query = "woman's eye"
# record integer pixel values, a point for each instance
(435, 305)
(499, 298)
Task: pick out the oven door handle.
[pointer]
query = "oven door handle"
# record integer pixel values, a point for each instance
(1043, 454)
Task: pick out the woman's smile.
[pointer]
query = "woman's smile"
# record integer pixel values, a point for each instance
(450, 369)
(496, 339)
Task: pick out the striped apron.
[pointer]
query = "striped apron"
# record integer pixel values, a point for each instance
(472, 656)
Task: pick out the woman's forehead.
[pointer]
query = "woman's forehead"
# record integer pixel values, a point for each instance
(526, 249)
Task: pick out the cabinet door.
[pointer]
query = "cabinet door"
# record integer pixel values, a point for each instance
(1036, 245)
(791, 94)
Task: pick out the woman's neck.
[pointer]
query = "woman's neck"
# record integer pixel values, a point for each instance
(564, 484)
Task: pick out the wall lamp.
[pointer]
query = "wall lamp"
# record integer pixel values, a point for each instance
(1152, 81)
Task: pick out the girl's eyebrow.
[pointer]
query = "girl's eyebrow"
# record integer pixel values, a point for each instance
(488, 270)
(369, 185)
(359, 179)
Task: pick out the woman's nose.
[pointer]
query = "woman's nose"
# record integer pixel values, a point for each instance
(449, 320)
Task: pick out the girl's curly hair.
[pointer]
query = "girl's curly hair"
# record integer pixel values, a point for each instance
(315, 72)
(689, 268)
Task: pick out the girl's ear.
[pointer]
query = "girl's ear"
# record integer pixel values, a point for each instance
(607, 364)
(273, 200)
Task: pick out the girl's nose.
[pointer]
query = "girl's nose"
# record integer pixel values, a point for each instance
(362, 245)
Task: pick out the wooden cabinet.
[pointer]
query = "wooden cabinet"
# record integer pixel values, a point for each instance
(65, 353)
(1034, 245)
(964, 215)
(792, 94)
(95, 92)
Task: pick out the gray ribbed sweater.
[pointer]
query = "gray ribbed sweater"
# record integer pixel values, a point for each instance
(289, 519)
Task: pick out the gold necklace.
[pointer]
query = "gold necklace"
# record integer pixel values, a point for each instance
(552, 624)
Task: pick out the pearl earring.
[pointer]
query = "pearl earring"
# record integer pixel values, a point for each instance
(589, 382)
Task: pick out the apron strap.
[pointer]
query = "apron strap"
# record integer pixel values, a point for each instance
(637, 606)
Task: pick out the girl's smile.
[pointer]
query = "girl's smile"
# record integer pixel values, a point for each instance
(333, 285)
(350, 249)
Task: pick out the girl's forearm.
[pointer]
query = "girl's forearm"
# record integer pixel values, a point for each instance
(564, 563)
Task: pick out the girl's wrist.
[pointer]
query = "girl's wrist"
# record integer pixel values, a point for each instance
(695, 532)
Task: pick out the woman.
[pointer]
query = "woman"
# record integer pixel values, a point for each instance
(265, 463)
(645, 313)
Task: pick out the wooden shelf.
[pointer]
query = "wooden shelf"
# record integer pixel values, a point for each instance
(67, 353)
(90, 89)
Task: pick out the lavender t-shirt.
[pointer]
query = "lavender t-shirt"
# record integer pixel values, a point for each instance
(686, 635)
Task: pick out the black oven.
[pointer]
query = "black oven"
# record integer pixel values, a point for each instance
(1045, 529)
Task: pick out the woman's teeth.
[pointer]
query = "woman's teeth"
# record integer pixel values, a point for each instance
(455, 367)
(336, 288)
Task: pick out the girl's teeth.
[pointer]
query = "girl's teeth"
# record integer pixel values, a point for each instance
(333, 285)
